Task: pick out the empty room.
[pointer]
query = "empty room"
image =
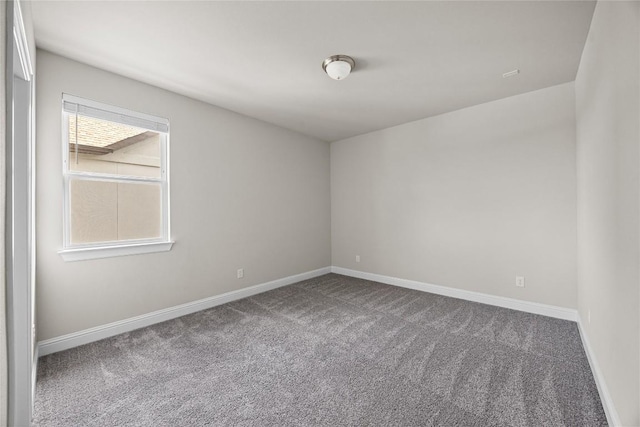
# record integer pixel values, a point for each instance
(320, 213)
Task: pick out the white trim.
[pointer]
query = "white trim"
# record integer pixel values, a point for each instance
(20, 37)
(19, 226)
(80, 254)
(34, 373)
(605, 397)
(75, 339)
(514, 304)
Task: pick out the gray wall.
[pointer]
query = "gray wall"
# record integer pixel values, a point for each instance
(244, 194)
(467, 199)
(608, 199)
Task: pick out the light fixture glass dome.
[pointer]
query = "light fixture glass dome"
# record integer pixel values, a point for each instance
(338, 67)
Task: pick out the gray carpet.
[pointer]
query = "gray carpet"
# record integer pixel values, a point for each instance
(329, 351)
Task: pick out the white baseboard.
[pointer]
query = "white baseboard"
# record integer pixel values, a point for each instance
(86, 336)
(603, 390)
(514, 304)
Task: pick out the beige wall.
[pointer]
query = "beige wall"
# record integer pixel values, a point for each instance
(608, 199)
(244, 194)
(467, 199)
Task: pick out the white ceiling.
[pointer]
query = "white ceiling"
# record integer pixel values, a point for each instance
(263, 59)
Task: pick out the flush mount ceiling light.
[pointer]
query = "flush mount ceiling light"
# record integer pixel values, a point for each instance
(338, 67)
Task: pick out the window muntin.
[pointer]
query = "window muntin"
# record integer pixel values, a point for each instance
(115, 168)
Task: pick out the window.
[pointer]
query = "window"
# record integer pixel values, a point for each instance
(116, 192)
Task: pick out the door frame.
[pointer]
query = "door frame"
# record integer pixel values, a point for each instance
(20, 220)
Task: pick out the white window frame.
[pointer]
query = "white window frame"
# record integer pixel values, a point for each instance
(75, 252)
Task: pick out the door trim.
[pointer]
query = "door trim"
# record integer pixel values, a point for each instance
(19, 226)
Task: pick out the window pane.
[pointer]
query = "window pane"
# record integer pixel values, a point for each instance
(104, 211)
(139, 211)
(107, 147)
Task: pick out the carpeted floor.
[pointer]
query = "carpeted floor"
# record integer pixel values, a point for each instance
(329, 351)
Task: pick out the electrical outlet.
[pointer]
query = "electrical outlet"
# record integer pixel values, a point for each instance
(240, 273)
(520, 281)
(357, 258)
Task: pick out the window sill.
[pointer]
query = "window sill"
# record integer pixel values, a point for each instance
(81, 254)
